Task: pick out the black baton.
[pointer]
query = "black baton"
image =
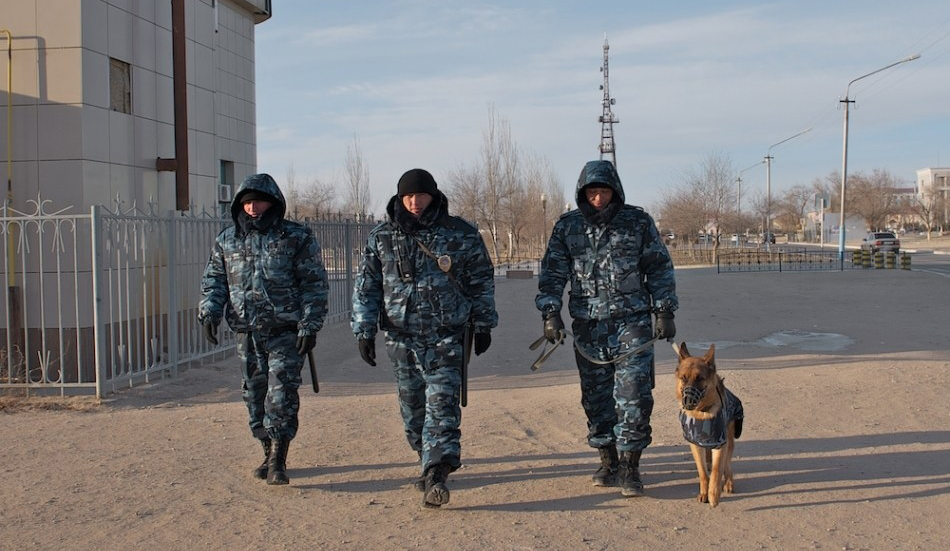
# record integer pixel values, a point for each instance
(466, 356)
(313, 372)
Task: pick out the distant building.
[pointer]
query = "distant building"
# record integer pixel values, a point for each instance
(932, 182)
(93, 101)
(933, 191)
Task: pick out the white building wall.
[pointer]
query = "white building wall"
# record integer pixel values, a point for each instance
(70, 148)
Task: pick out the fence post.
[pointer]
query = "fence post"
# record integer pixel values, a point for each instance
(348, 258)
(99, 332)
(173, 307)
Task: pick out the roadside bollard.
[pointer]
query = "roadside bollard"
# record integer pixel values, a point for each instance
(890, 260)
(905, 261)
(878, 260)
(857, 259)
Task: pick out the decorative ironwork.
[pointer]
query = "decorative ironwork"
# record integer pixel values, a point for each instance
(787, 260)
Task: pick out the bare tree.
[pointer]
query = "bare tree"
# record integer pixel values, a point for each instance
(497, 165)
(684, 212)
(314, 199)
(714, 187)
(792, 206)
(357, 180)
(872, 197)
(543, 201)
(927, 206)
(464, 191)
(292, 193)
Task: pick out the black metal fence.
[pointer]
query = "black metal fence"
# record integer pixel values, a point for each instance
(780, 260)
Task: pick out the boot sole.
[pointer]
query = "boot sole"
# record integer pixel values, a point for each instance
(632, 492)
(608, 482)
(278, 480)
(436, 496)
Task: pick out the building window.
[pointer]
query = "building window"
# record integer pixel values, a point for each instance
(120, 86)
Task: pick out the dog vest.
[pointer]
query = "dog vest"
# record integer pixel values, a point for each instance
(711, 433)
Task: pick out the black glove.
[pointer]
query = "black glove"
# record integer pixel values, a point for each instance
(665, 328)
(368, 350)
(211, 331)
(553, 327)
(482, 342)
(305, 343)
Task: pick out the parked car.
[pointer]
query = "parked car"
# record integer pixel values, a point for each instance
(881, 241)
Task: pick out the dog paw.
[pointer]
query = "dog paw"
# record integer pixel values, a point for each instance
(728, 487)
(702, 498)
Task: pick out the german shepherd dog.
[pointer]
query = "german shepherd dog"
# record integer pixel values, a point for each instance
(712, 420)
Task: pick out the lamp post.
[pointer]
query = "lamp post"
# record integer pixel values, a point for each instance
(739, 198)
(768, 188)
(844, 150)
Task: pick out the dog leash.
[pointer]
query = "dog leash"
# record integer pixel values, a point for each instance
(545, 354)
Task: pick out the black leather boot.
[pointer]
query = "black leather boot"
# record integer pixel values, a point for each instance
(628, 474)
(261, 471)
(606, 475)
(278, 463)
(420, 483)
(437, 493)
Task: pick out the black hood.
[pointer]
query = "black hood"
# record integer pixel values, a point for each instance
(603, 174)
(258, 183)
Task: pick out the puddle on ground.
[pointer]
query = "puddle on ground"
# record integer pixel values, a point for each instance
(799, 340)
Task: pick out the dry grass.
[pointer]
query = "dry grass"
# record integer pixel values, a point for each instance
(10, 403)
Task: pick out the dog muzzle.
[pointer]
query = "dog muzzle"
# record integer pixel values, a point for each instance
(692, 396)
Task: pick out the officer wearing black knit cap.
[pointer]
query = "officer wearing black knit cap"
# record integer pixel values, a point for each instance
(425, 275)
(417, 181)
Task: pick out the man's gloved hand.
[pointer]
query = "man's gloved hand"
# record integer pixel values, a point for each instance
(665, 328)
(482, 342)
(368, 350)
(553, 327)
(305, 343)
(210, 330)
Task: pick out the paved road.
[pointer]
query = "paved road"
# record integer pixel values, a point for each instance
(748, 316)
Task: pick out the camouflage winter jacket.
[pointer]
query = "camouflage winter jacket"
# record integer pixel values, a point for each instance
(401, 288)
(614, 258)
(266, 276)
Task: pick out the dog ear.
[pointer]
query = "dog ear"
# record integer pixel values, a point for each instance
(681, 351)
(710, 357)
(676, 350)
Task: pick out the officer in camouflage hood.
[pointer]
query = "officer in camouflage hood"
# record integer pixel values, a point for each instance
(424, 277)
(266, 276)
(620, 273)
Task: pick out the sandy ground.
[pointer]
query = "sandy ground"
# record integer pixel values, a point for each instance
(843, 375)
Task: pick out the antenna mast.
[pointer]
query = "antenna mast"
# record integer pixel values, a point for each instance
(607, 118)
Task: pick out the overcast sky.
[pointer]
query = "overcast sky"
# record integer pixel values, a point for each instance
(413, 81)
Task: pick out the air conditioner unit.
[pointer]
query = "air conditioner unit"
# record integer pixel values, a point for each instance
(224, 193)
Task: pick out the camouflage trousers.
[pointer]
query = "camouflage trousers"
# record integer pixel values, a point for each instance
(617, 396)
(271, 369)
(428, 382)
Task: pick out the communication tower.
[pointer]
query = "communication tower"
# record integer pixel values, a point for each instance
(607, 118)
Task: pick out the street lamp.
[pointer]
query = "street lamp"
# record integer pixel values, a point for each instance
(739, 198)
(768, 188)
(844, 149)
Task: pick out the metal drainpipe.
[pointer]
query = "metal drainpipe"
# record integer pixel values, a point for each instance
(180, 91)
(11, 258)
